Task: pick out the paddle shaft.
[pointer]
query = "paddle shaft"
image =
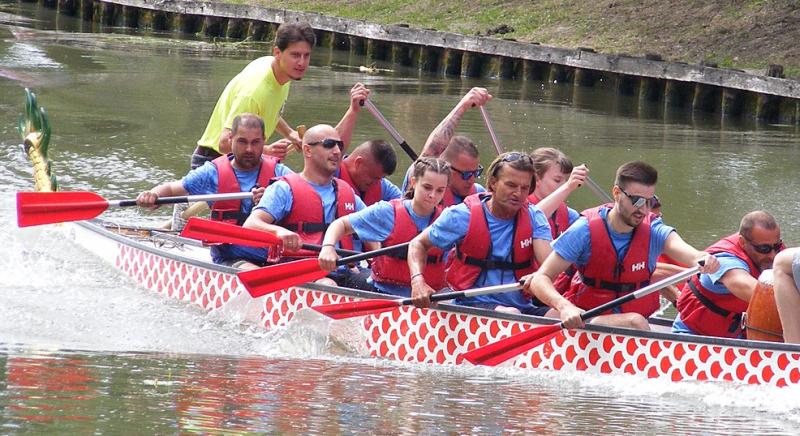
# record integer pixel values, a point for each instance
(186, 199)
(671, 280)
(370, 254)
(490, 128)
(598, 191)
(496, 289)
(340, 251)
(389, 128)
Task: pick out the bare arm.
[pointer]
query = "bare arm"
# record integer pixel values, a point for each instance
(740, 283)
(347, 124)
(541, 250)
(417, 256)
(676, 248)
(284, 129)
(787, 296)
(440, 136)
(261, 220)
(550, 204)
(224, 144)
(542, 287)
(336, 231)
(168, 189)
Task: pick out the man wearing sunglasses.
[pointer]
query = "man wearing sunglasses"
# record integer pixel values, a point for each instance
(787, 295)
(299, 207)
(459, 151)
(615, 248)
(246, 169)
(497, 236)
(712, 304)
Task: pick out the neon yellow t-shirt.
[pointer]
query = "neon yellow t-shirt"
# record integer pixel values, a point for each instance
(254, 90)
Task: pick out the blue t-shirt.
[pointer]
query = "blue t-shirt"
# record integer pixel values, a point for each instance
(375, 223)
(204, 180)
(277, 201)
(573, 215)
(574, 245)
(727, 262)
(451, 228)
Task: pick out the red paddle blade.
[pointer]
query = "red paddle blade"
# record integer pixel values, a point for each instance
(218, 232)
(498, 352)
(36, 208)
(267, 280)
(357, 308)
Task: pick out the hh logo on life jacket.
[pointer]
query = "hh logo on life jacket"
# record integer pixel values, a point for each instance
(637, 266)
(350, 206)
(525, 243)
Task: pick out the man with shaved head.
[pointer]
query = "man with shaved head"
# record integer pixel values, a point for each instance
(366, 168)
(299, 207)
(712, 304)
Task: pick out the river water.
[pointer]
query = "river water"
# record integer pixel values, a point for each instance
(85, 350)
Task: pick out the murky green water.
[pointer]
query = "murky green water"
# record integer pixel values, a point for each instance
(126, 110)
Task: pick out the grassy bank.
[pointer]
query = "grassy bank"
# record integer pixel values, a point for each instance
(744, 34)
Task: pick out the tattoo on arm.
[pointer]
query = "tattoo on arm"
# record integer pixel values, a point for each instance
(440, 136)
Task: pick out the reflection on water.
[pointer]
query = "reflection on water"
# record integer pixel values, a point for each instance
(126, 110)
(80, 392)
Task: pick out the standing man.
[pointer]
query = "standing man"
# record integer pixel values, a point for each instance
(299, 207)
(262, 88)
(497, 237)
(246, 169)
(615, 249)
(787, 295)
(712, 304)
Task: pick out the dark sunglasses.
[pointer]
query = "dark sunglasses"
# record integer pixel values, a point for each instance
(329, 143)
(765, 248)
(638, 201)
(466, 175)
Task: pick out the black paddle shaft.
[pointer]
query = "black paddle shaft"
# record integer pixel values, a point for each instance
(371, 254)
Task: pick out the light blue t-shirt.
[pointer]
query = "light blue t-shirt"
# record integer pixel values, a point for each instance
(204, 180)
(375, 223)
(727, 262)
(277, 201)
(451, 228)
(574, 245)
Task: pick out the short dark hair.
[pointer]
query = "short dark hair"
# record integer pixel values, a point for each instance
(248, 120)
(757, 218)
(457, 145)
(636, 172)
(381, 152)
(289, 33)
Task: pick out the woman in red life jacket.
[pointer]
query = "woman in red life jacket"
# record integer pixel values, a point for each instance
(395, 222)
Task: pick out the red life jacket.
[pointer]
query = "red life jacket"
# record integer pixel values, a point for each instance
(711, 314)
(307, 216)
(469, 258)
(449, 198)
(605, 277)
(393, 268)
(559, 220)
(373, 195)
(230, 211)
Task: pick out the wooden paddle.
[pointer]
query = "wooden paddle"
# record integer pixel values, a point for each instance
(36, 208)
(273, 278)
(211, 231)
(378, 305)
(389, 128)
(504, 349)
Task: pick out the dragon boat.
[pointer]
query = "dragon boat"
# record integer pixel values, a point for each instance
(181, 269)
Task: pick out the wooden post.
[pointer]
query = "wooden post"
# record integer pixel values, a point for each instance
(677, 94)
(452, 62)
(213, 26)
(768, 107)
(534, 70)
(510, 68)
(707, 98)
(650, 90)
(236, 29)
(732, 103)
(430, 59)
(584, 77)
(358, 45)
(472, 64)
(377, 50)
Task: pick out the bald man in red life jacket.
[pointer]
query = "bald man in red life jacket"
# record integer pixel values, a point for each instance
(365, 169)
(712, 304)
(615, 248)
(299, 207)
